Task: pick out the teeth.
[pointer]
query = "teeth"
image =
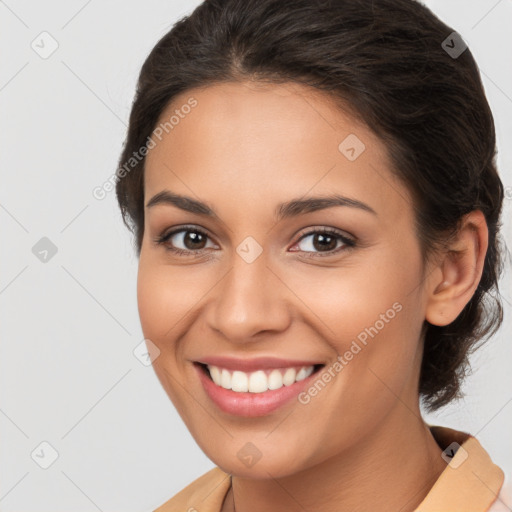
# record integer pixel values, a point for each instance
(225, 379)
(302, 374)
(239, 382)
(258, 381)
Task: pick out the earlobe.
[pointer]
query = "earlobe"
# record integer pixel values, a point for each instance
(461, 270)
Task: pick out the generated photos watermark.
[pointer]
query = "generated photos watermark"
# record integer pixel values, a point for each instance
(101, 191)
(329, 373)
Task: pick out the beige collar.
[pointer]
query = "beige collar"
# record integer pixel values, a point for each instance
(470, 482)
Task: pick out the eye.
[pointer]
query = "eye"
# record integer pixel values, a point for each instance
(194, 240)
(324, 240)
(191, 238)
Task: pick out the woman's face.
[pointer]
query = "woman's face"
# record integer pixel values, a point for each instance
(262, 280)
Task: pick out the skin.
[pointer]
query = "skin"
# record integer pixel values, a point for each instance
(360, 443)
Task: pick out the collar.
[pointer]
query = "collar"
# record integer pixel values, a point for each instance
(470, 482)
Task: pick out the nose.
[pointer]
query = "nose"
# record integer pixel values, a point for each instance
(249, 300)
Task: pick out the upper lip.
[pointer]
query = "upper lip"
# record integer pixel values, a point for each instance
(255, 363)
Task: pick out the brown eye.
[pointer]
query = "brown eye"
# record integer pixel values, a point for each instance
(193, 240)
(324, 242)
(186, 240)
(327, 241)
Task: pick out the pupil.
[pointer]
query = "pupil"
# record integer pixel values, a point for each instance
(194, 238)
(324, 245)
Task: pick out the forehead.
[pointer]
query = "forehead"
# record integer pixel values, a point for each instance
(247, 140)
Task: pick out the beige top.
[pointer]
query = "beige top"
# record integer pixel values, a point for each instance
(471, 482)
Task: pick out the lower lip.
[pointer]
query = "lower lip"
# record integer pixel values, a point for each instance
(248, 404)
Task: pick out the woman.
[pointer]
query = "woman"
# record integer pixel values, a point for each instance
(316, 211)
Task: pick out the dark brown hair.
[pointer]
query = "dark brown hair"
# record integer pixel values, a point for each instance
(388, 63)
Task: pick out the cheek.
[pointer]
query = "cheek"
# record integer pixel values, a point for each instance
(165, 296)
(368, 315)
(152, 301)
(344, 302)
(161, 306)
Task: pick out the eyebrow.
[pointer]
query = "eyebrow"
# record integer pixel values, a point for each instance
(289, 209)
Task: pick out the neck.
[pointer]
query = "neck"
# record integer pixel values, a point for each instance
(392, 469)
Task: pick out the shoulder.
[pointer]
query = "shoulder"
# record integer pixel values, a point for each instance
(206, 494)
(470, 481)
(503, 502)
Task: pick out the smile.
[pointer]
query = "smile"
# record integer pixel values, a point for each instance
(253, 393)
(258, 381)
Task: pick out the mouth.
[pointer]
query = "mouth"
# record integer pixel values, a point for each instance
(258, 381)
(255, 386)
(255, 393)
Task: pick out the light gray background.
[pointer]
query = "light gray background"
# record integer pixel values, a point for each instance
(69, 326)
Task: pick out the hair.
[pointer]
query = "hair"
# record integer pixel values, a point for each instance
(384, 62)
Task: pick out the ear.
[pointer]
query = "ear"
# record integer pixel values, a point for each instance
(458, 274)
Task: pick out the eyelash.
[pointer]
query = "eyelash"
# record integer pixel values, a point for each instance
(349, 243)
